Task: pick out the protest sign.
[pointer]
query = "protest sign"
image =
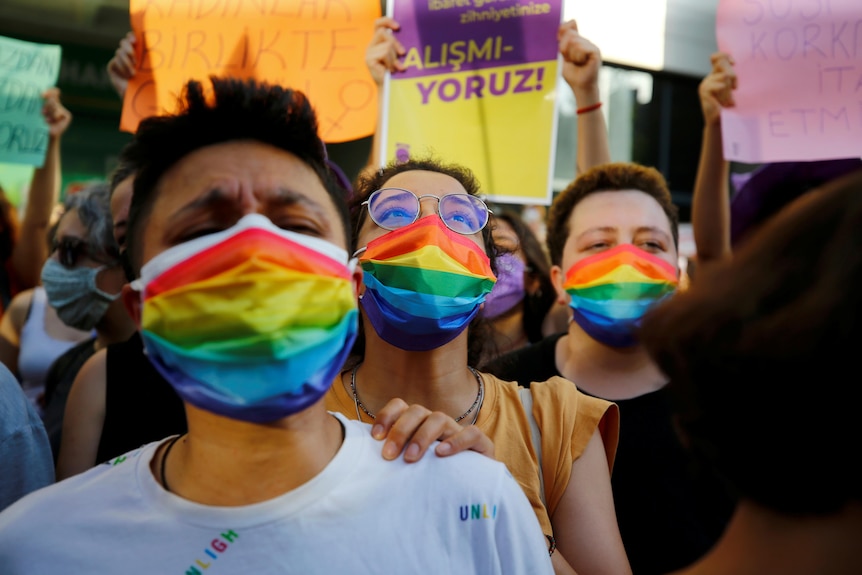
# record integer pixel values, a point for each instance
(478, 90)
(799, 69)
(316, 46)
(26, 70)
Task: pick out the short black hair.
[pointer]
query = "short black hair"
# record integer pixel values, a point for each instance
(238, 110)
(761, 353)
(126, 167)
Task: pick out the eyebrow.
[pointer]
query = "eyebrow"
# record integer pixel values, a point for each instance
(654, 230)
(217, 195)
(288, 197)
(213, 196)
(607, 229)
(640, 230)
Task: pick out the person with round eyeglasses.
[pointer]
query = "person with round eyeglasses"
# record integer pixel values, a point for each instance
(393, 208)
(426, 253)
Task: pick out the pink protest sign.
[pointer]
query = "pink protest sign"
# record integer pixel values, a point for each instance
(799, 65)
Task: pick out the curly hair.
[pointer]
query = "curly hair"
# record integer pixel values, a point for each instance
(614, 177)
(761, 355)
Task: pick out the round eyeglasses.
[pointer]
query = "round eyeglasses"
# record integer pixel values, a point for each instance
(393, 208)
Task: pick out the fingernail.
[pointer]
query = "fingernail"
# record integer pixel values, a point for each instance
(412, 452)
(377, 431)
(444, 449)
(390, 450)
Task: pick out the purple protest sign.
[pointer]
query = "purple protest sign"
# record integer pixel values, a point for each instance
(443, 36)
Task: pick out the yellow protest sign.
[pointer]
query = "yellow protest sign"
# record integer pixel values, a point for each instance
(316, 46)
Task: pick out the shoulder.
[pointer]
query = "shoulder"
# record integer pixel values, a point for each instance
(562, 409)
(535, 362)
(109, 485)
(467, 469)
(15, 410)
(91, 376)
(19, 308)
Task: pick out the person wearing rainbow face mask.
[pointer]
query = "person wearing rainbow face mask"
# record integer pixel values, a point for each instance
(245, 299)
(612, 237)
(425, 249)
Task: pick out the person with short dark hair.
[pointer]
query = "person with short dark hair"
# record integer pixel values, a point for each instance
(612, 236)
(761, 355)
(245, 299)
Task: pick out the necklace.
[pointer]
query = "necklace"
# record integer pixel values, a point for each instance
(477, 403)
(168, 448)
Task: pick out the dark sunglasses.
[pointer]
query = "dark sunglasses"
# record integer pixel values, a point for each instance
(70, 250)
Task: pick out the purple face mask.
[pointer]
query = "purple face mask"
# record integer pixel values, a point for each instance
(509, 289)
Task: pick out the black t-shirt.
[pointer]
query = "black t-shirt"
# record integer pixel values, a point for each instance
(669, 511)
(140, 405)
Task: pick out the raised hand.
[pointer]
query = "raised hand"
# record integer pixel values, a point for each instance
(716, 89)
(122, 66)
(581, 63)
(383, 53)
(56, 115)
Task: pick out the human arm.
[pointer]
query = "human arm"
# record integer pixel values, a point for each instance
(582, 61)
(584, 521)
(84, 418)
(31, 248)
(416, 428)
(381, 56)
(121, 68)
(10, 329)
(710, 213)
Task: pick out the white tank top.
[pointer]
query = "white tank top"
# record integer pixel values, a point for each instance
(38, 350)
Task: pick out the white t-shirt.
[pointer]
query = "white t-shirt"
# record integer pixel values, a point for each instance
(361, 514)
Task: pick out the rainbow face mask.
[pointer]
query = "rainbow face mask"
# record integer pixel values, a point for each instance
(424, 284)
(252, 322)
(612, 290)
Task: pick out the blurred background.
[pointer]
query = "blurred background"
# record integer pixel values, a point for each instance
(655, 52)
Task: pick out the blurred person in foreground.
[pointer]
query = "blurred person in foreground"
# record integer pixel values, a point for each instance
(761, 354)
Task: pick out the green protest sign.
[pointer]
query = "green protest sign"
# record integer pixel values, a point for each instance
(26, 70)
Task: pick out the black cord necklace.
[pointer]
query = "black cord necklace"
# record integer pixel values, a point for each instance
(168, 448)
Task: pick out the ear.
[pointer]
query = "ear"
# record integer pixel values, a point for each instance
(531, 283)
(557, 279)
(358, 283)
(132, 302)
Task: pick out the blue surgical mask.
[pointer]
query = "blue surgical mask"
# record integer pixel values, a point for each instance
(72, 292)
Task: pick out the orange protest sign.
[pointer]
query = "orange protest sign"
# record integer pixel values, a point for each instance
(316, 46)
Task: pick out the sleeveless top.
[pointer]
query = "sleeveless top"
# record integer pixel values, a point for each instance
(566, 417)
(38, 349)
(140, 405)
